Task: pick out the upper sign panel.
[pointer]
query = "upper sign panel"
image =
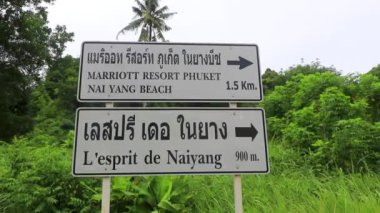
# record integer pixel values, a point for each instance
(116, 71)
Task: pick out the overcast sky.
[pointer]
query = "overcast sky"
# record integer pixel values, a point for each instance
(343, 33)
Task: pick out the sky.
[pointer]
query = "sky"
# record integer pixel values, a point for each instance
(344, 34)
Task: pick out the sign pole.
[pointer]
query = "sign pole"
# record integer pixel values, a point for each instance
(106, 193)
(106, 184)
(238, 194)
(232, 71)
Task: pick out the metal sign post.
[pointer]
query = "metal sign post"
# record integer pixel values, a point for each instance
(106, 194)
(155, 141)
(238, 194)
(106, 184)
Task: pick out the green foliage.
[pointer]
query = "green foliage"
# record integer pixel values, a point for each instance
(53, 102)
(298, 137)
(27, 47)
(323, 128)
(38, 179)
(150, 19)
(151, 194)
(293, 185)
(327, 117)
(375, 71)
(271, 79)
(276, 126)
(314, 67)
(277, 104)
(369, 89)
(333, 106)
(357, 142)
(302, 191)
(57, 43)
(61, 85)
(311, 86)
(306, 118)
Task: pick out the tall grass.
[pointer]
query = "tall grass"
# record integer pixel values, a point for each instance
(292, 186)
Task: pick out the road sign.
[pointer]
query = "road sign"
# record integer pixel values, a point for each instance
(121, 71)
(154, 141)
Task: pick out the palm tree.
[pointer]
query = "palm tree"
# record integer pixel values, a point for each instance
(151, 19)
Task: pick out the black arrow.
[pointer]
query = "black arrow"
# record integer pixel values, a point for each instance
(242, 62)
(246, 132)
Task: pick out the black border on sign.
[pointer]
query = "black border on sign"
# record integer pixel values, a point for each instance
(163, 99)
(74, 173)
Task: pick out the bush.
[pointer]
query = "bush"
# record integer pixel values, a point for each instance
(356, 145)
(38, 179)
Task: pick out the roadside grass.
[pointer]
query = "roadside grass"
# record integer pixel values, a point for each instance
(290, 187)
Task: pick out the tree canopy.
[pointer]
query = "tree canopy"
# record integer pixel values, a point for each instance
(332, 119)
(150, 19)
(27, 47)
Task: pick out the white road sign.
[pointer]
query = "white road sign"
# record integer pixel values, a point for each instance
(154, 141)
(120, 71)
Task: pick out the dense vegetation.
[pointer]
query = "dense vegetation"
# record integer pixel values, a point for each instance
(334, 120)
(324, 131)
(27, 48)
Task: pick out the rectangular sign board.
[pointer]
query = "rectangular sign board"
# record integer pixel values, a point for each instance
(156, 141)
(185, 72)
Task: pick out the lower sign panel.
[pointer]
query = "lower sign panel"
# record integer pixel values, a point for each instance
(156, 141)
